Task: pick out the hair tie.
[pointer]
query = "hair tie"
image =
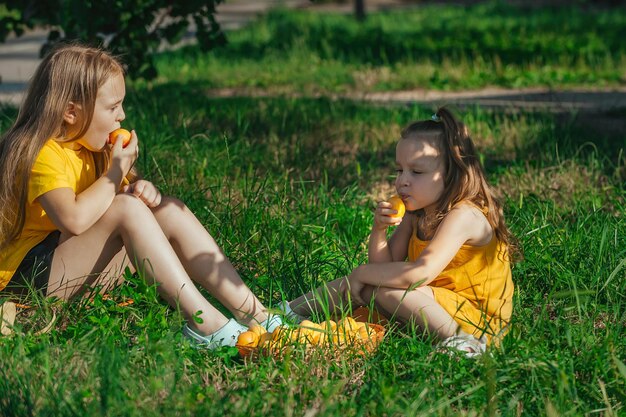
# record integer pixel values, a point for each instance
(435, 118)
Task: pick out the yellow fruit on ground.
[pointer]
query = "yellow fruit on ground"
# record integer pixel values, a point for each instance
(339, 338)
(297, 336)
(317, 334)
(348, 325)
(246, 343)
(372, 333)
(321, 337)
(248, 339)
(264, 339)
(281, 333)
(258, 329)
(308, 324)
(328, 325)
(310, 331)
(398, 205)
(364, 332)
(272, 347)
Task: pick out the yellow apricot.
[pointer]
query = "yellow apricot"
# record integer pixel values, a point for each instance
(248, 339)
(398, 205)
(348, 325)
(258, 329)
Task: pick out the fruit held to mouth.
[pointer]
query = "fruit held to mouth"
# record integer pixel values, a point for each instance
(398, 205)
(123, 133)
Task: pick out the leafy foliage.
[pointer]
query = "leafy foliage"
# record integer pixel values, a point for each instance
(133, 29)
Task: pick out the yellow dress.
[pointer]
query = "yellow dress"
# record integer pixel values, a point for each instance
(476, 288)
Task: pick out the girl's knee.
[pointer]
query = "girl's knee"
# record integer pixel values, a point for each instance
(127, 202)
(127, 207)
(170, 206)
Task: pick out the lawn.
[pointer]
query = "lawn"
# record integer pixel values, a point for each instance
(433, 47)
(287, 185)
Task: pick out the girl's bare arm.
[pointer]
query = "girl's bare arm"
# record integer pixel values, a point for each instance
(463, 225)
(395, 249)
(75, 213)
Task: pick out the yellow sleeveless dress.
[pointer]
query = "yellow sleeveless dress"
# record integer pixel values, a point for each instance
(476, 288)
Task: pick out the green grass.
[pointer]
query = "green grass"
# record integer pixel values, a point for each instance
(430, 47)
(286, 186)
(258, 175)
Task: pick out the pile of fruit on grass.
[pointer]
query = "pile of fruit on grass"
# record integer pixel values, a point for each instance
(346, 333)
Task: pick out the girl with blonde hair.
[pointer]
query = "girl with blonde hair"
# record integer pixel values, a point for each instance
(74, 214)
(457, 283)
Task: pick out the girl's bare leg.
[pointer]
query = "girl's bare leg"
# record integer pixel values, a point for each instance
(368, 295)
(205, 263)
(329, 296)
(417, 306)
(130, 224)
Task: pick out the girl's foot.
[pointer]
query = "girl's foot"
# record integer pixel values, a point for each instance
(272, 322)
(290, 314)
(467, 344)
(225, 336)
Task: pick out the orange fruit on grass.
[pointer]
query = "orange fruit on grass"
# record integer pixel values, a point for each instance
(123, 133)
(303, 332)
(312, 331)
(258, 329)
(248, 339)
(247, 342)
(339, 338)
(398, 205)
(281, 334)
(301, 336)
(348, 325)
(308, 324)
(264, 339)
(265, 342)
(329, 325)
(365, 333)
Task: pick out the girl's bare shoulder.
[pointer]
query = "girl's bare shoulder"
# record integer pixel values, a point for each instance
(474, 221)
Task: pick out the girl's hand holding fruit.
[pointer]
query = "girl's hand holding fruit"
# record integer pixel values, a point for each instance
(389, 213)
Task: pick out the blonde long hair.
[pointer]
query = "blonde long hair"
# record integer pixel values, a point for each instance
(71, 72)
(465, 179)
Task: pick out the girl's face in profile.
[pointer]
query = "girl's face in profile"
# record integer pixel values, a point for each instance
(420, 173)
(108, 113)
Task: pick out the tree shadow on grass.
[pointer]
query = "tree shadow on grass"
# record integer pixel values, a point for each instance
(347, 141)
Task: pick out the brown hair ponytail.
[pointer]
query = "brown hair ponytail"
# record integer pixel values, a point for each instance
(465, 179)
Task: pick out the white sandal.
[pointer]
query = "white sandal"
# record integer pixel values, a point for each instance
(289, 313)
(225, 336)
(467, 344)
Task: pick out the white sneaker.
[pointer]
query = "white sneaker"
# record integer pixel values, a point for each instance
(225, 336)
(290, 314)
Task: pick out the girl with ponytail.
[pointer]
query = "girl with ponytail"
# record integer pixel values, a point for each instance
(447, 266)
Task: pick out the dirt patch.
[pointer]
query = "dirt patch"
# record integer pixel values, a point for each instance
(531, 99)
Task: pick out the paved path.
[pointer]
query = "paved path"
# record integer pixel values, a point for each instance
(20, 56)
